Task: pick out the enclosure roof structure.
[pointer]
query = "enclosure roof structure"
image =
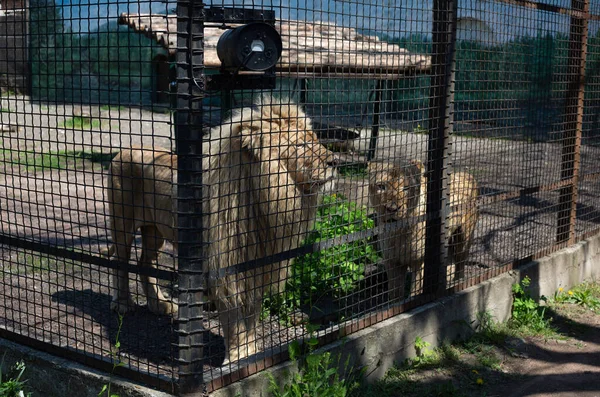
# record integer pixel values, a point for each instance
(308, 48)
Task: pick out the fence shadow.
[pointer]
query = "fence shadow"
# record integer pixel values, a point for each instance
(143, 335)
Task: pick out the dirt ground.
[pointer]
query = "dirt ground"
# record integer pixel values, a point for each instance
(564, 365)
(559, 368)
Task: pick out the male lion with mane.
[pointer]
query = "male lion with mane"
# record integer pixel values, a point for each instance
(398, 191)
(265, 171)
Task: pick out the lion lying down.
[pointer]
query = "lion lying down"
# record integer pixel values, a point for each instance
(398, 191)
(265, 171)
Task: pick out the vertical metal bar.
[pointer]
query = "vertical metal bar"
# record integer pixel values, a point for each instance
(225, 102)
(28, 52)
(441, 119)
(571, 164)
(376, 117)
(303, 91)
(188, 135)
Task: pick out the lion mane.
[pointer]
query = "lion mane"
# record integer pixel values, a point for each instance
(264, 172)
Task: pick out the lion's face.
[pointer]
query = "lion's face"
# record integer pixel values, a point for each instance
(297, 148)
(394, 189)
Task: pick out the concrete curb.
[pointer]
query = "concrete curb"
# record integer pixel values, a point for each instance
(375, 349)
(52, 376)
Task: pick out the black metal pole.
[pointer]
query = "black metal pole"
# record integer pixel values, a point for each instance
(303, 91)
(188, 140)
(441, 119)
(376, 120)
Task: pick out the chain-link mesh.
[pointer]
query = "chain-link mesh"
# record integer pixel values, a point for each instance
(393, 152)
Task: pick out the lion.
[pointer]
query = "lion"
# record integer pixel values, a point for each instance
(265, 172)
(398, 191)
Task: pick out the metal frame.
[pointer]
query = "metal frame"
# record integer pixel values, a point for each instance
(441, 118)
(571, 153)
(188, 135)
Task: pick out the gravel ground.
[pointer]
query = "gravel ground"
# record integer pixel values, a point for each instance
(67, 303)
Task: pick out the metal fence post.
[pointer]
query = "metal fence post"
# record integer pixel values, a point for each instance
(570, 167)
(188, 135)
(441, 120)
(376, 116)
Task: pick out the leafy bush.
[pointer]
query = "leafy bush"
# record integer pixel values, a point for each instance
(526, 313)
(333, 272)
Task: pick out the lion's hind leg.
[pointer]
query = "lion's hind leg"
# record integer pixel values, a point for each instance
(458, 253)
(152, 241)
(234, 332)
(238, 315)
(121, 300)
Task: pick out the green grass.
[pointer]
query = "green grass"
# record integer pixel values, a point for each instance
(453, 370)
(404, 379)
(80, 123)
(7, 93)
(35, 161)
(11, 383)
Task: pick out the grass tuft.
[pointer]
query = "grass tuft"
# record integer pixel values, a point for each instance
(80, 123)
(60, 160)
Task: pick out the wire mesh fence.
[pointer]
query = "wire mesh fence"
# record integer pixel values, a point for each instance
(202, 218)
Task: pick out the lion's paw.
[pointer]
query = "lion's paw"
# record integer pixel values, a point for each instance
(163, 308)
(122, 306)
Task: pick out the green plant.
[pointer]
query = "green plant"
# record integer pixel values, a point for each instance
(353, 171)
(8, 93)
(11, 384)
(526, 312)
(336, 270)
(317, 374)
(582, 295)
(333, 272)
(424, 356)
(487, 330)
(421, 347)
(116, 360)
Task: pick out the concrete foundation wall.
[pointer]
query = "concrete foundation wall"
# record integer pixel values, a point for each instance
(375, 349)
